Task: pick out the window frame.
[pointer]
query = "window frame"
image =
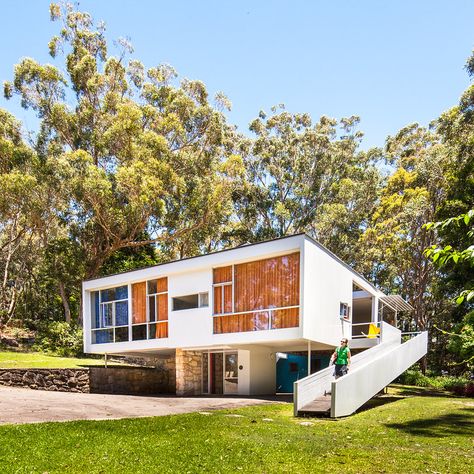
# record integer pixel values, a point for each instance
(199, 300)
(102, 318)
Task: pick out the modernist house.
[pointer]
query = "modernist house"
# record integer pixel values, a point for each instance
(225, 319)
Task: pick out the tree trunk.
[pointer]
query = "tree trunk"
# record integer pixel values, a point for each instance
(79, 316)
(65, 301)
(423, 365)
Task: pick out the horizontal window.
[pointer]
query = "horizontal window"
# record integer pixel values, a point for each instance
(199, 300)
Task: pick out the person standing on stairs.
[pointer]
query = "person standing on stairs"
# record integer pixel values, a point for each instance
(341, 358)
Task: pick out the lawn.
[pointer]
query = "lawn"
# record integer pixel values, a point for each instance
(409, 434)
(14, 360)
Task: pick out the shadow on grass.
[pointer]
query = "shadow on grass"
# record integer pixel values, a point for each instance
(378, 402)
(440, 426)
(412, 391)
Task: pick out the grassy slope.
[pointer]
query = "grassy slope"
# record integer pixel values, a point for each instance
(410, 435)
(11, 359)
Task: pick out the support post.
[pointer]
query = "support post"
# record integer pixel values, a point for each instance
(309, 357)
(105, 359)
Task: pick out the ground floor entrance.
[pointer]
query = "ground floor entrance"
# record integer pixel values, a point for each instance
(220, 373)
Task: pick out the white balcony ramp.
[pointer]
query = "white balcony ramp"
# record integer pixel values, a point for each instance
(370, 371)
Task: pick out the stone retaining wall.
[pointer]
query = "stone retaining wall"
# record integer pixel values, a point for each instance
(59, 380)
(130, 380)
(126, 380)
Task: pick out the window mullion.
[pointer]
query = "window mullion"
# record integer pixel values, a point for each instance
(233, 300)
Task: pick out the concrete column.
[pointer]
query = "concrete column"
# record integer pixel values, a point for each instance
(188, 372)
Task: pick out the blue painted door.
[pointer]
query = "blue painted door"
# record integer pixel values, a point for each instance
(295, 367)
(289, 370)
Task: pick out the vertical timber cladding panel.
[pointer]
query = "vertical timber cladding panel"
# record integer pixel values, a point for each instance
(139, 302)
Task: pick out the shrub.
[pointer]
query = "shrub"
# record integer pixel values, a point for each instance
(458, 385)
(469, 392)
(413, 377)
(60, 338)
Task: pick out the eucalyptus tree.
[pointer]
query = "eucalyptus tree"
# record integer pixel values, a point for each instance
(305, 177)
(393, 245)
(131, 151)
(24, 214)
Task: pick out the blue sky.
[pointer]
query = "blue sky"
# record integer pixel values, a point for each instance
(391, 63)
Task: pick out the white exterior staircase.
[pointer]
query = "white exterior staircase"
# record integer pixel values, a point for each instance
(370, 371)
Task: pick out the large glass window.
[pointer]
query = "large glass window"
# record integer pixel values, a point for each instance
(257, 295)
(110, 315)
(150, 309)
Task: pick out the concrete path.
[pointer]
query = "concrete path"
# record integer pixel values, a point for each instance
(22, 405)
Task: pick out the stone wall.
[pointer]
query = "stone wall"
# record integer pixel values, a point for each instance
(125, 380)
(59, 380)
(188, 372)
(130, 380)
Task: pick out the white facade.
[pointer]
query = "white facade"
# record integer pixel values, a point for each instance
(326, 283)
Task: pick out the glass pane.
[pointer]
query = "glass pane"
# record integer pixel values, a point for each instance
(222, 275)
(107, 295)
(162, 284)
(269, 283)
(139, 302)
(107, 318)
(228, 299)
(151, 308)
(95, 309)
(121, 313)
(139, 332)
(152, 287)
(230, 373)
(152, 331)
(157, 330)
(218, 291)
(162, 304)
(102, 336)
(285, 318)
(185, 302)
(203, 300)
(121, 293)
(121, 334)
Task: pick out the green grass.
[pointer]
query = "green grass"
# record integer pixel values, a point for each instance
(14, 360)
(409, 434)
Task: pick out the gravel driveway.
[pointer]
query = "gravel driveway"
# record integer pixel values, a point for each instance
(21, 405)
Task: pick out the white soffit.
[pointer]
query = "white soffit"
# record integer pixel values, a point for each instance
(396, 302)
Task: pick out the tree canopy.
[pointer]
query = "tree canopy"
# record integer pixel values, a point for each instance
(131, 166)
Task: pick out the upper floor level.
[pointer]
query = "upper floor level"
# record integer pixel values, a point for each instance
(281, 290)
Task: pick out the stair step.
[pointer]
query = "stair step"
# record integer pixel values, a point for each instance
(319, 406)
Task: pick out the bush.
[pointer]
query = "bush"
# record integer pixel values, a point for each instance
(413, 377)
(469, 392)
(458, 385)
(60, 338)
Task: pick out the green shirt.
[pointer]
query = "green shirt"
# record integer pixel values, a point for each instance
(342, 353)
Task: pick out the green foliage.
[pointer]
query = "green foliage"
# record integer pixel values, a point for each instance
(60, 338)
(440, 382)
(301, 176)
(394, 242)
